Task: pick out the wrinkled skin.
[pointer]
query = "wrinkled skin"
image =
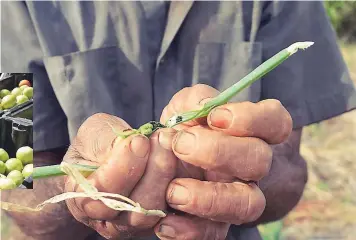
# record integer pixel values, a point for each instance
(211, 172)
(214, 164)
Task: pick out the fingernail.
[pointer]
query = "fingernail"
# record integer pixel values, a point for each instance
(178, 195)
(165, 139)
(139, 146)
(166, 231)
(220, 118)
(184, 142)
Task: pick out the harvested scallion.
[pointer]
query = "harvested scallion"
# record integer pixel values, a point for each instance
(232, 91)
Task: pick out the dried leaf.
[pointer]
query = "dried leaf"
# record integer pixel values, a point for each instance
(109, 199)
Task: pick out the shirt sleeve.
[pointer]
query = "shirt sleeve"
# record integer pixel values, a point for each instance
(21, 52)
(313, 85)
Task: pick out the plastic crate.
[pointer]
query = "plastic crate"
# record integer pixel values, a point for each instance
(12, 82)
(24, 110)
(15, 133)
(16, 123)
(8, 83)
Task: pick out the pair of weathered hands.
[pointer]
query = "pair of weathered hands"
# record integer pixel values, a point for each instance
(206, 170)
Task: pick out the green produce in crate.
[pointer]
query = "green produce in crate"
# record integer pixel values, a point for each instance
(4, 92)
(16, 176)
(13, 164)
(27, 170)
(4, 156)
(16, 91)
(21, 99)
(7, 184)
(28, 92)
(2, 167)
(25, 155)
(8, 101)
(23, 87)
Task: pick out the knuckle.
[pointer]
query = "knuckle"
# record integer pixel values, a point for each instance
(239, 206)
(93, 120)
(264, 158)
(199, 95)
(210, 206)
(97, 122)
(216, 152)
(275, 104)
(245, 121)
(287, 126)
(247, 105)
(243, 126)
(175, 106)
(201, 90)
(260, 157)
(283, 121)
(256, 204)
(166, 170)
(201, 86)
(251, 205)
(73, 152)
(97, 116)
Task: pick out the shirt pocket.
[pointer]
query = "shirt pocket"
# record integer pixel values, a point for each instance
(220, 60)
(100, 80)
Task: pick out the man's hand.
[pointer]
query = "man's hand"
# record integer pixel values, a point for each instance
(228, 152)
(136, 167)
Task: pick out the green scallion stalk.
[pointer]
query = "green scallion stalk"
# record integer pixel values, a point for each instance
(148, 128)
(232, 91)
(55, 170)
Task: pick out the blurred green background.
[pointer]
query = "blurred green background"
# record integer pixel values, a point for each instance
(328, 207)
(343, 17)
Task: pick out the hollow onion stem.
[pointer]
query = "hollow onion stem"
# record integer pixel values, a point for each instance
(229, 93)
(55, 170)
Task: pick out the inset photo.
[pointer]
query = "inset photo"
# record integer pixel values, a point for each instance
(16, 141)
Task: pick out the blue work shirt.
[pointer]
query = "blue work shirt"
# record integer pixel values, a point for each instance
(90, 57)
